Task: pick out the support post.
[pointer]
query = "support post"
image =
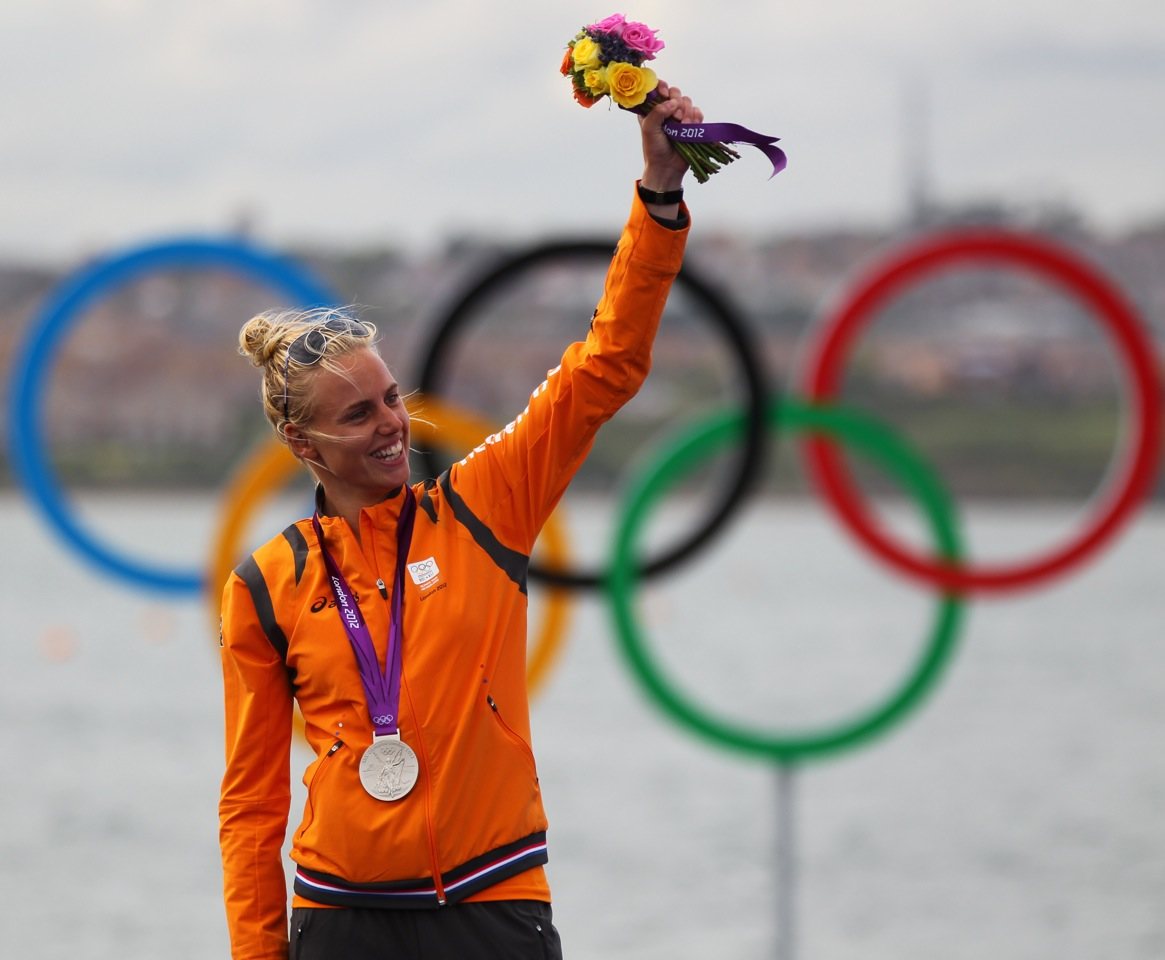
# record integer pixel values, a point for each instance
(786, 863)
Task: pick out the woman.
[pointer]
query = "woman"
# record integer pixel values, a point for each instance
(396, 617)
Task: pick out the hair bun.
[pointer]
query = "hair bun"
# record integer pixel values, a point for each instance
(259, 339)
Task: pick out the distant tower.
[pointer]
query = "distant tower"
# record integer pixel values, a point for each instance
(243, 221)
(916, 151)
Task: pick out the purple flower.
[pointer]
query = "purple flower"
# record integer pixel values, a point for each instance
(611, 24)
(641, 38)
(614, 50)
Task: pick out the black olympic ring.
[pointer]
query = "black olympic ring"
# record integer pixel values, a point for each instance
(727, 322)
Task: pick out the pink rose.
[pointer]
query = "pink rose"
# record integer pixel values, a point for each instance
(641, 38)
(610, 24)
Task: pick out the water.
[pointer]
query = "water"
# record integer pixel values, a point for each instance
(1017, 814)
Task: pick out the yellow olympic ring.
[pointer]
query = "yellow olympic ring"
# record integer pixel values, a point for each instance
(272, 465)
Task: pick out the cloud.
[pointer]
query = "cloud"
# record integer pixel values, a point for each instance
(400, 122)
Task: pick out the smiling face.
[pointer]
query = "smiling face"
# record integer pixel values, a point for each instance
(358, 436)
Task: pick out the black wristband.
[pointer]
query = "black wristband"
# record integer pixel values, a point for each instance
(656, 197)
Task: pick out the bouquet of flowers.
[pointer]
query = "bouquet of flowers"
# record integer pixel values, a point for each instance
(606, 59)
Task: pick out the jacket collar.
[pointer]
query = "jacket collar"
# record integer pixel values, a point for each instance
(387, 508)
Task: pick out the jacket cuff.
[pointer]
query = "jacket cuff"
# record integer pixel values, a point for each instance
(657, 242)
(677, 224)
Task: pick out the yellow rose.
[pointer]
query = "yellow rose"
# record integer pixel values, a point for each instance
(596, 81)
(587, 54)
(629, 85)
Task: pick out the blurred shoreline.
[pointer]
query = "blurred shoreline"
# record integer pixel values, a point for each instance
(1006, 385)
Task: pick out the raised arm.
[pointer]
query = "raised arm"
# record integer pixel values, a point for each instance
(513, 480)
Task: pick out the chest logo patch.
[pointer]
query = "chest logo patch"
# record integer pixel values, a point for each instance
(425, 573)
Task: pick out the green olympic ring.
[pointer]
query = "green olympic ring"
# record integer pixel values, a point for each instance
(672, 464)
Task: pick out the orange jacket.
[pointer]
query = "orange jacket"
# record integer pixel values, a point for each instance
(474, 825)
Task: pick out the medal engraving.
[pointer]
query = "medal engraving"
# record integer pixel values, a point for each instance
(389, 768)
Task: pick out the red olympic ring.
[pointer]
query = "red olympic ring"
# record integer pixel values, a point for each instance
(1129, 485)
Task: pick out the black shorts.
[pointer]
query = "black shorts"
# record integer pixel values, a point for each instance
(492, 930)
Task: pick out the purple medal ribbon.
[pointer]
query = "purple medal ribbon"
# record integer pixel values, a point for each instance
(381, 689)
(728, 133)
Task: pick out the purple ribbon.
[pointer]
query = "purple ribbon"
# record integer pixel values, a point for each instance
(728, 133)
(381, 689)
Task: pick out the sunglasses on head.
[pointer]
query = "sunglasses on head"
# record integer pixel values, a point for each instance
(311, 345)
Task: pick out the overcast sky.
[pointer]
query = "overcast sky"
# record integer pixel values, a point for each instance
(379, 121)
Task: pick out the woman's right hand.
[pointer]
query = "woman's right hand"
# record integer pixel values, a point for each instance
(663, 167)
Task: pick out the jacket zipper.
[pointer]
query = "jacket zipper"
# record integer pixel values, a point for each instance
(438, 886)
(513, 734)
(320, 771)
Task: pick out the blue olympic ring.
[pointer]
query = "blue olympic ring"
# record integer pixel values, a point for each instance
(65, 305)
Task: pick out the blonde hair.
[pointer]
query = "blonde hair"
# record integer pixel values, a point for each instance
(265, 340)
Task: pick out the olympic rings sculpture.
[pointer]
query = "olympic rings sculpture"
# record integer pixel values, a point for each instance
(815, 417)
(57, 317)
(726, 323)
(678, 460)
(1134, 479)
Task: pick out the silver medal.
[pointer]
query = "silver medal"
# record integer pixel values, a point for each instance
(389, 768)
